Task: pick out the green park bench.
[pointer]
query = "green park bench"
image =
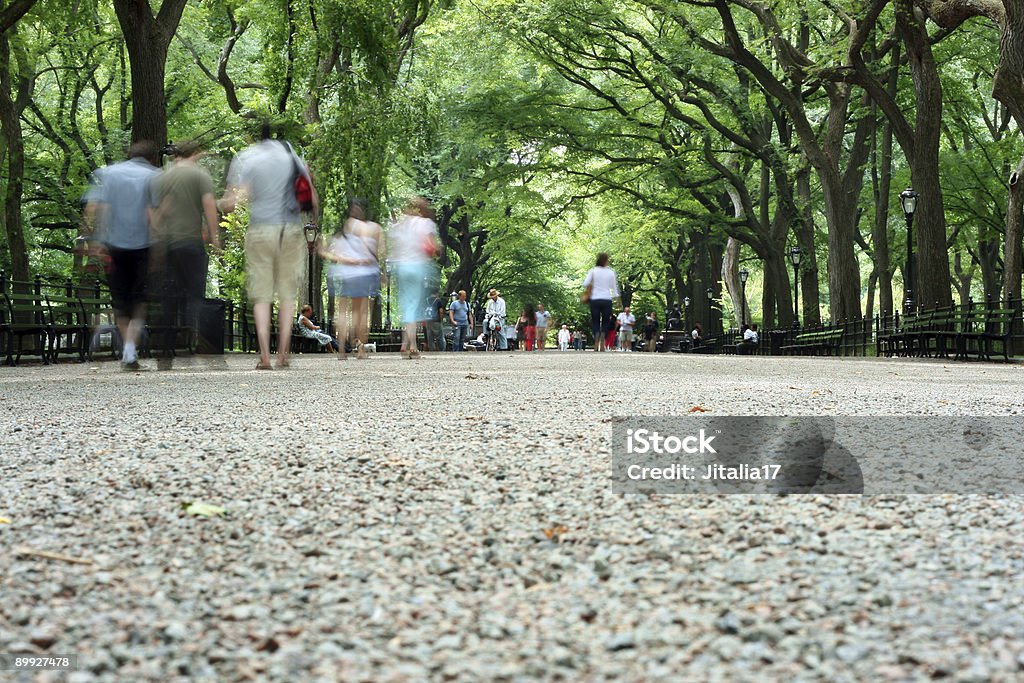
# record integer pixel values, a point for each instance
(822, 342)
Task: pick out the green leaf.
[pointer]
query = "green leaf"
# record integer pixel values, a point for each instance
(203, 510)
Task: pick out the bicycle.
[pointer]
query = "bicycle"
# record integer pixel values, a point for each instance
(492, 325)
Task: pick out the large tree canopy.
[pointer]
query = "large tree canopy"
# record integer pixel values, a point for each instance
(690, 139)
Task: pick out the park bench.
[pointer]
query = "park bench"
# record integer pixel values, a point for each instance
(822, 342)
(25, 315)
(69, 326)
(998, 329)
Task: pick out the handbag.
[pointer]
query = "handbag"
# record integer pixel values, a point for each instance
(587, 291)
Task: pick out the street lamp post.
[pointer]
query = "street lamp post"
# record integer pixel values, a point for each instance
(312, 232)
(908, 199)
(711, 296)
(744, 275)
(686, 313)
(794, 258)
(387, 315)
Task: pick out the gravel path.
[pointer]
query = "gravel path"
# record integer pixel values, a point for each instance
(452, 519)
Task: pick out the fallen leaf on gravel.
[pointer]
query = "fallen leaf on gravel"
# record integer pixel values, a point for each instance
(815, 393)
(697, 409)
(472, 376)
(797, 388)
(4, 520)
(203, 510)
(555, 532)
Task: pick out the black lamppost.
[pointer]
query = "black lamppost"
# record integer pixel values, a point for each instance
(711, 296)
(744, 275)
(908, 199)
(312, 232)
(387, 316)
(794, 258)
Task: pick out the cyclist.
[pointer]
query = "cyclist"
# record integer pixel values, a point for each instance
(496, 309)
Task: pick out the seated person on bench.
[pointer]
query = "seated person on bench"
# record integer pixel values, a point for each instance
(750, 338)
(310, 331)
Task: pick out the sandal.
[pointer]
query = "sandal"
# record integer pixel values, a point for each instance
(283, 363)
(264, 366)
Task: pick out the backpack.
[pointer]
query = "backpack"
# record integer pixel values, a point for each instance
(302, 185)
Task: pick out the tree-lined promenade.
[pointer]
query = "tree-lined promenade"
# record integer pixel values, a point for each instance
(689, 140)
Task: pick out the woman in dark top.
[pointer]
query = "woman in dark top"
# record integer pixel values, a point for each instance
(651, 330)
(529, 319)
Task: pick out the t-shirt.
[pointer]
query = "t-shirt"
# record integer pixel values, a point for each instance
(543, 318)
(178, 192)
(123, 191)
(750, 336)
(267, 169)
(408, 238)
(460, 312)
(603, 283)
(626, 321)
(433, 309)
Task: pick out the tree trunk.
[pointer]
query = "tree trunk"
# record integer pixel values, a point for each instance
(146, 39)
(1012, 261)
(803, 230)
(10, 124)
(880, 228)
(931, 266)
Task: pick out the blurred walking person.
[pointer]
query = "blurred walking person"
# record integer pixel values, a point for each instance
(599, 288)
(265, 175)
(626, 322)
(529, 318)
(184, 221)
(461, 317)
(563, 338)
(543, 321)
(118, 206)
(651, 330)
(413, 245)
(353, 277)
(496, 310)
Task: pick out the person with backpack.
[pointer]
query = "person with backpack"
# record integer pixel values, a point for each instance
(277, 185)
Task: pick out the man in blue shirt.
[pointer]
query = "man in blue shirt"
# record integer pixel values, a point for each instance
(118, 206)
(462, 318)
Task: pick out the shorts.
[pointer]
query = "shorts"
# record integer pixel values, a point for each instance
(273, 261)
(626, 336)
(358, 287)
(413, 280)
(127, 275)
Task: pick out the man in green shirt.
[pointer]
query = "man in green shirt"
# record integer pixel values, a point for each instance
(184, 220)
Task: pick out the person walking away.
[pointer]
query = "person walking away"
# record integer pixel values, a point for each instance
(651, 331)
(264, 175)
(563, 338)
(461, 318)
(529, 318)
(117, 206)
(413, 246)
(434, 333)
(626, 322)
(353, 276)
(600, 287)
(496, 309)
(184, 221)
(543, 321)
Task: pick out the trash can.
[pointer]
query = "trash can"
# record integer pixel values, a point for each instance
(777, 339)
(210, 339)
